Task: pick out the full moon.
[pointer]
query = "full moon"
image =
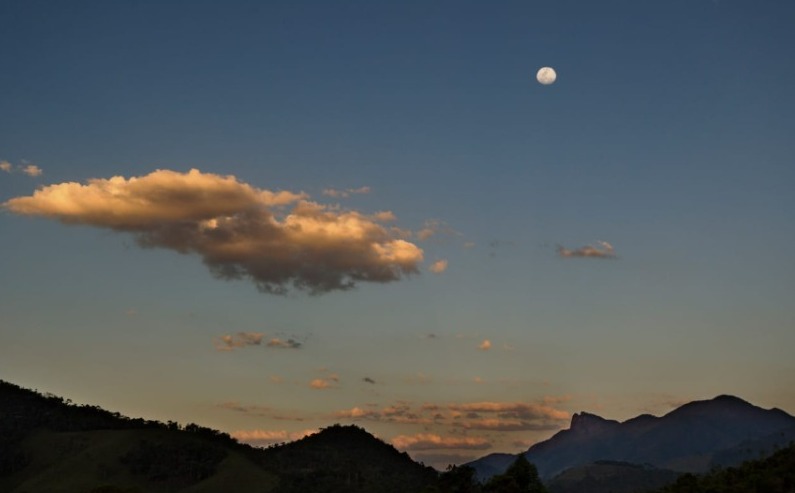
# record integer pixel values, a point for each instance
(546, 75)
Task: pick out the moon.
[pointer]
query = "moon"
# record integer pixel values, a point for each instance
(546, 75)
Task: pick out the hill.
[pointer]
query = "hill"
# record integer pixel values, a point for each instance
(774, 474)
(48, 444)
(685, 440)
(610, 476)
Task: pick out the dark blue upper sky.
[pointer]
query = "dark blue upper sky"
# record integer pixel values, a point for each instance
(669, 134)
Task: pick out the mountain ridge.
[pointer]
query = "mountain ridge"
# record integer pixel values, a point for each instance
(684, 439)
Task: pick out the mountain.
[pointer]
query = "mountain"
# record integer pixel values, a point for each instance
(686, 440)
(48, 444)
(345, 456)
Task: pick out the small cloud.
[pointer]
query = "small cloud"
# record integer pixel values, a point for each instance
(469, 244)
(31, 170)
(384, 216)
(358, 413)
(25, 168)
(231, 342)
(368, 380)
(485, 345)
(602, 249)
(131, 312)
(431, 441)
(277, 379)
(284, 343)
(325, 382)
(438, 267)
(478, 380)
(335, 193)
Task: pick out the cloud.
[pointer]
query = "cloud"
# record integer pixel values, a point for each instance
(231, 342)
(499, 424)
(25, 168)
(519, 410)
(263, 438)
(325, 382)
(487, 416)
(31, 170)
(278, 240)
(438, 267)
(400, 413)
(485, 345)
(430, 441)
(602, 249)
(284, 343)
(332, 192)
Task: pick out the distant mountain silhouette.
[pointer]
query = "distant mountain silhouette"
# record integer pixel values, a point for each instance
(686, 439)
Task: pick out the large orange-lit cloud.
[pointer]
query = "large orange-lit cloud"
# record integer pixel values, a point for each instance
(431, 441)
(279, 240)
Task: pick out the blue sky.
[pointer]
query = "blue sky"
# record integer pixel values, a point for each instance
(667, 134)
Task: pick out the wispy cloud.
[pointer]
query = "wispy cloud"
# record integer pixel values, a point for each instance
(500, 424)
(336, 193)
(520, 410)
(485, 345)
(602, 249)
(438, 267)
(284, 343)
(230, 342)
(239, 231)
(246, 409)
(434, 227)
(262, 438)
(6, 166)
(431, 441)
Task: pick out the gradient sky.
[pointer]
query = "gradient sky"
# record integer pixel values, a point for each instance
(668, 135)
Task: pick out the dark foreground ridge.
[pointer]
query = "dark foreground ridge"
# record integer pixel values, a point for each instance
(48, 444)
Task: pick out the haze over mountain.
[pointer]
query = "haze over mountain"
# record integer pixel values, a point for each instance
(687, 439)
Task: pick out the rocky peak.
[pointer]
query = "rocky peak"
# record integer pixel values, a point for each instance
(590, 423)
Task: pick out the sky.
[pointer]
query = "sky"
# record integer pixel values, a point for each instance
(270, 217)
